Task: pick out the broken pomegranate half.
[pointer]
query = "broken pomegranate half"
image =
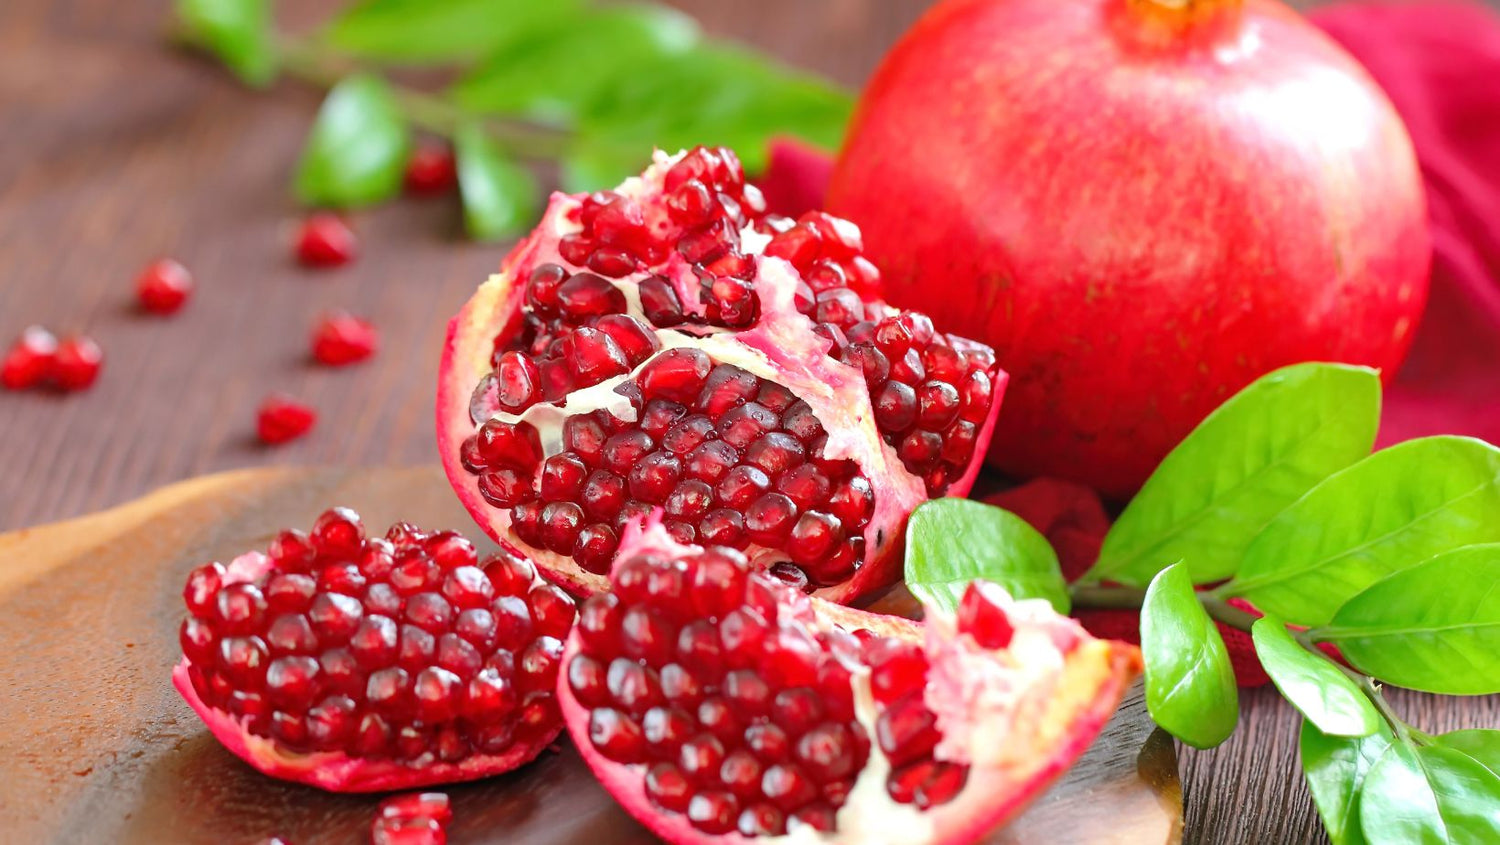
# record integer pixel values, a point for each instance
(670, 345)
(715, 702)
(360, 664)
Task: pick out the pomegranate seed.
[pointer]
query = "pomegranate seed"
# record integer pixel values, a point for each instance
(668, 788)
(896, 407)
(163, 287)
(659, 302)
(77, 362)
(341, 338)
(282, 419)
(677, 374)
(325, 240)
(431, 170)
(981, 615)
(29, 361)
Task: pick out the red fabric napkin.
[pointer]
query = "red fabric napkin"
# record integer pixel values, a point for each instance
(1440, 64)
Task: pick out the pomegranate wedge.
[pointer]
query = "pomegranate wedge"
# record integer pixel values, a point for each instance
(366, 664)
(717, 704)
(668, 344)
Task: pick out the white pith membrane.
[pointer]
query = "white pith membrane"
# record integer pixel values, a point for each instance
(333, 770)
(780, 348)
(1017, 717)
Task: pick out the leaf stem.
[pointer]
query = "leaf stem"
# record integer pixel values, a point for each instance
(434, 113)
(1107, 598)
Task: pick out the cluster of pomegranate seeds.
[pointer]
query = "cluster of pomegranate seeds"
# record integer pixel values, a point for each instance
(37, 359)
(341, 338)
(282, 419)
(406, 648)
(575, 335)
(431, 170)
(733, 459)
(416, 818)
(163, 287)
(740, 703)
(324, 240)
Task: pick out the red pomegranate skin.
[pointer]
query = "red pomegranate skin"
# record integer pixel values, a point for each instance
(1142, 213)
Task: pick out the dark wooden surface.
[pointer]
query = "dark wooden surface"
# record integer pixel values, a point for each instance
(110, 752)
(114, 150)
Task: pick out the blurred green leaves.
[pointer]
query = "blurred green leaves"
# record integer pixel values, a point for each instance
(357, 151)
(238, 32)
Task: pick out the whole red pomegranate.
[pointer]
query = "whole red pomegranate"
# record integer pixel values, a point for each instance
(1142, 205)
(671, 345)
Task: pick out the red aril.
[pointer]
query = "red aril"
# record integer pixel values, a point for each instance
(282, 419)
(431, 170)
(418, 818)
(668, 344)
(1143, 206)
(325, 240)
(30, 360)
(76, 364)
(712, 699)
(362, 664)
(163, 287)
(341, 338)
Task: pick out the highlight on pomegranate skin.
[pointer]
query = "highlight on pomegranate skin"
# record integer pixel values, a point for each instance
(359, 664)
(669, 344)
(715, 702)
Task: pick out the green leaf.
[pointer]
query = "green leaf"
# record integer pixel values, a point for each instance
(1482, 745)
(1335, 768)
(550, 75)
(357, 151)
(237, 31)
(500, 197)
(1312, 683)
(1190, 687)
(1395, 508)
(439, 31)
(1434, 627)
(1429, 794)
(950, 542)
(711, 95)
(1259, 452)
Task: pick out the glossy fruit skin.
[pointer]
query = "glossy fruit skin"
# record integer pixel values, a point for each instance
(1148, 214)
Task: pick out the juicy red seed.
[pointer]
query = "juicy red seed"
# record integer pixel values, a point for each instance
(722, 527)
(920, 450)
(677, 374)
(584, 436)
(871, 361)
(806, 485)
(711, 461)
(978, 392)
(611, 261)
(603, 494)
(505, 487)
(652, 479)
(659, 302)
(666, 728)
(741, 426)
(633, 687)
(518, 382)
(341, 338)
(897, 669)
(163, 287)
(325, 240)
(942, 786)
(768, 742)
(907, 367)
(624, 450)
(281, 419)
(29, 361)
(690, 500)
(585, 295)
(726, 387)
(659, 416)
(646, 635)
(552, 610)
(617, 736)
(688, 434)
(770, 518)
(787, 786)
(796, 710)
(514, 445)
(713, 812)
(741, 487)
(700, 757)
(668, 788)
(586, 678)
(981, 615)
(595, 547)
(827, 752)
(938, 405)
(431, 169)
(77, 362)
(637, 341)
(562, 478)
(776, 453)
(542, 285)
(761, 820)
(895, 407)
(817, 816)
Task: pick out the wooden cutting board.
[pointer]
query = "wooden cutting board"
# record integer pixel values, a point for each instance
(96, 746)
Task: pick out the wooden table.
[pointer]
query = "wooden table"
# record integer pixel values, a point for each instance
(114, 150)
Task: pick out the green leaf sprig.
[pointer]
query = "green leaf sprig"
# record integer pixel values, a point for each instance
(1392, 558)
(591, 87)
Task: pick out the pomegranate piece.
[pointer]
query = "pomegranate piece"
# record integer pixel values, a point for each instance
(360, 664)
(341, 338)
(30, 360)
(76, 364)
(163, 287)
(325, 240)
(282, 419)
(745, 708)
(413, 819)
(431, 170)
(674, 346)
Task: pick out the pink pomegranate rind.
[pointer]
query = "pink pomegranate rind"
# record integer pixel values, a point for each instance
(339, 772)
(1045, 736)
(783, 346)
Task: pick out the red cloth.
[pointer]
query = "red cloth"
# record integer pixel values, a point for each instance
(1440, 64)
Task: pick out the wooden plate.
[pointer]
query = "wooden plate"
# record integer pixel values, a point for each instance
(96, 746)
